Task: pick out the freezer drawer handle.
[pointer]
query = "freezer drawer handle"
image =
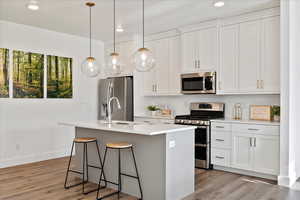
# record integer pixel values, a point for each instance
(220, 140)
(219, 157)
(219, 126)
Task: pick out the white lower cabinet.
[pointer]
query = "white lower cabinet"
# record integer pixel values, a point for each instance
(242, 157)
(253, 147)
(266, 154)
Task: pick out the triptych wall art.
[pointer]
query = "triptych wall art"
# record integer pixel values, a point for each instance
(28, 71)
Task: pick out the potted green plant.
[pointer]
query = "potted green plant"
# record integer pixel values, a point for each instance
(153, 109)
(276, 113)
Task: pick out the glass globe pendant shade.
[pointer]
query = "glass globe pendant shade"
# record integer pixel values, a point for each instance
(144, 60)
(90, 67)
(113, 66)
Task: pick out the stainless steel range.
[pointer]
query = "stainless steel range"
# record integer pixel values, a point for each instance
(200, 116)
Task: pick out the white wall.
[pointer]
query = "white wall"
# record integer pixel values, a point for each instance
(28, 127)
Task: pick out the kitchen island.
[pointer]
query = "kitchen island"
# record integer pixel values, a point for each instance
(164, 153)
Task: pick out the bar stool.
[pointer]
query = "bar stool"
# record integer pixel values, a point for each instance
(85, 165)
(119, 146)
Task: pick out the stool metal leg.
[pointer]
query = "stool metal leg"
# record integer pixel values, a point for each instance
(66, 179)
(101, 164)
(102, 173)
(137, 173)
(120, 179)
(83, 166)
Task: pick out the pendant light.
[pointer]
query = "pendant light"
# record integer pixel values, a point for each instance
(143, 58)
(90, 67)
(113, 64)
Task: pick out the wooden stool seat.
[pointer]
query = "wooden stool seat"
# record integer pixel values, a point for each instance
(85, 139)
(119, 145)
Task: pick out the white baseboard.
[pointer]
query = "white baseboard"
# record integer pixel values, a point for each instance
(287, 181)
(245, 172)
(20, 160)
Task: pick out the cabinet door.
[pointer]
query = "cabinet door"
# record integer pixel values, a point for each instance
(174, 66)
(127, 50)
(162, 66)
(207, 49)
(266, 154)
(150, 76)
(249, 56)
(270, 75)
(242, 154)
(227, 76)
(188, 52)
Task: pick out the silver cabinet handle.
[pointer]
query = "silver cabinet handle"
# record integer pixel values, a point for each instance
(220, 157)
(253, 129)
(254, 142)
(250, 139)
(155, 88)
(220, 127)
(195, 63)
(198, 63)
(220, 140)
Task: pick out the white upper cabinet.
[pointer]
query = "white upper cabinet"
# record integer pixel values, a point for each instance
(207, 49)
(164, 78)
(199, 50)
(228, 69)
(174, 66)
(150, 76)
(270, 62)
(249, 56)
(162, 58)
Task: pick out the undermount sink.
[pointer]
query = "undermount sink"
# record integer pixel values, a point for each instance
(118, 122)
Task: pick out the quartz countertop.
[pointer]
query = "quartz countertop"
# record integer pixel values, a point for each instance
(228, 120)
(140, 128)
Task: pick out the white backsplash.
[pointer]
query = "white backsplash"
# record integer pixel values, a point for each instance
(181, 104)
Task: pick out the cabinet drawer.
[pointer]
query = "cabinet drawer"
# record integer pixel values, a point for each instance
(220, 157)
(255, 129)
(220, 139)
(216, 126)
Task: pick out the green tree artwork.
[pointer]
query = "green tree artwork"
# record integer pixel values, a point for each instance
(28, 75)
(4, 73)
(59, 77)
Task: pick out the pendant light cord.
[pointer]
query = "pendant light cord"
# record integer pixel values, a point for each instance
(114, 26)
(90, 31)
(143, 23)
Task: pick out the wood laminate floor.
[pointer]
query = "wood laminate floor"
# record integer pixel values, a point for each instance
(44, 181)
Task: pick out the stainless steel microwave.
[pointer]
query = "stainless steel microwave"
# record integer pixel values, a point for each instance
(198, 83)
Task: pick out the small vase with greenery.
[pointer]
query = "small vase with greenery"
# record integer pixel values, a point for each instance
(153, 109)
(276, 113)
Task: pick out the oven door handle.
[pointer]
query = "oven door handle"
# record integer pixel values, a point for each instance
(202, 127)
(200, 145)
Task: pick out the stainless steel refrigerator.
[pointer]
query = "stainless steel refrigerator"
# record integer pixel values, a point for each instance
(122, 88)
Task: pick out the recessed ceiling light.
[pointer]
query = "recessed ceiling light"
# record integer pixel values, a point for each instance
(219, 4)
(119, 29)
(33, 5)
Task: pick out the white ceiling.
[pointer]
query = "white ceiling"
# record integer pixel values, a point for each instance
(71, 16)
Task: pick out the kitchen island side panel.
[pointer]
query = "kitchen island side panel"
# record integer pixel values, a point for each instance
(180, 164)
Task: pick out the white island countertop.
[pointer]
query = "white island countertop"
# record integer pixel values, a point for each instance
(140, 128)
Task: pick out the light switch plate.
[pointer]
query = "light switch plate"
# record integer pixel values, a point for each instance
(172, 144)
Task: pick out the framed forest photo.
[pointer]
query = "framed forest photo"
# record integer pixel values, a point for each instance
(59, 77)
(28, 75)
(4, 73)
